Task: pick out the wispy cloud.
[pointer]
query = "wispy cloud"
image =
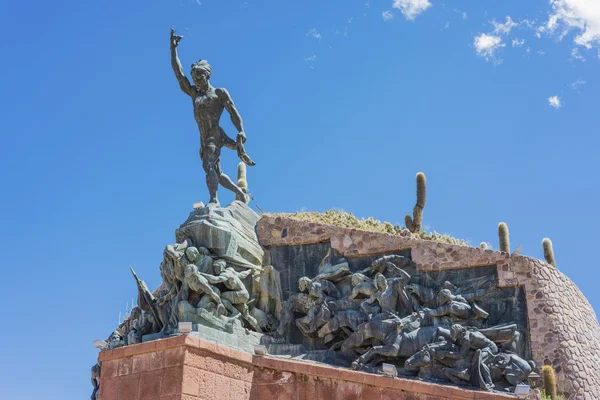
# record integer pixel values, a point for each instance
(577, 84)
(411, 8)
(314, 33)
(486, 45)
(580, 15)
(462, 13)
(311, 58)
(387, 15)
(505, 28)
(554, 102)
(575, 55)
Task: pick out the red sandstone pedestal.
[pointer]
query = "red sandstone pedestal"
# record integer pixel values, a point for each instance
(188, 368)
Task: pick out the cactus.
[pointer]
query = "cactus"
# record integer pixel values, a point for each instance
(548, 252)
(483, 245)
(241, 180)
(549, 381)
(414, 224)
(503, 236)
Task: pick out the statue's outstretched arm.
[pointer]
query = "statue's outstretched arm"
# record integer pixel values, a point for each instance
(244, 274)
(236, 118)
(184, 83)
(214, 279)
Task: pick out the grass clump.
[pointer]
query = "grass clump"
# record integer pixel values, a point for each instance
(348, 220)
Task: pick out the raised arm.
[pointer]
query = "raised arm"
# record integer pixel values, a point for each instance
(236, 118)
(244, 274)
(184, 83)
(214, 279)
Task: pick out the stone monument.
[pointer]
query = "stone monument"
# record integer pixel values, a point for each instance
(320, 295)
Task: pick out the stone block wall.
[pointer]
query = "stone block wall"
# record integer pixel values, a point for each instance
(564, 329)
(188, 368)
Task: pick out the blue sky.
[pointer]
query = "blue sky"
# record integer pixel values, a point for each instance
(343, 102)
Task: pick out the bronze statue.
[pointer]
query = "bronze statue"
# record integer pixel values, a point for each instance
(236, 299)
(209, 103)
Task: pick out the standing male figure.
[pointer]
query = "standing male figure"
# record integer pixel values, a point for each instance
(209, 103)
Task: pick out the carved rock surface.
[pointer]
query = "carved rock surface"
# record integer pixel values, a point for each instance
(228, 232)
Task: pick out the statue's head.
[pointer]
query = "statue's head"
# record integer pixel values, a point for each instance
(192, 254)
(304, 283)
(380, 282)
(445, 296)
(201, 71)
(500, 360)
(190, 270)
(448, 285)
(219, 266)
(136, 313)
(358, 278)
(456, 330)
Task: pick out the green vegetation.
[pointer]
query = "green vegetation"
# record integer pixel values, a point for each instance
(503, 237)
(415, 224)
(348, 220)
(548, 252)
(547, 397)
(549, 382)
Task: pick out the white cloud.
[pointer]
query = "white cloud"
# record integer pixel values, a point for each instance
(411, 8)
(575, 54)
(581, 15)
(314, 33)
(462, 13)
(577, 84)
(541, 52)
(518, 42)
(387, 15)
(447, 25)
(487, 45)
(311, 58)
(505, 28)
(554, 102)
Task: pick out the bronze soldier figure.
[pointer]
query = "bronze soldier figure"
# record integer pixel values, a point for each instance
(209, 103)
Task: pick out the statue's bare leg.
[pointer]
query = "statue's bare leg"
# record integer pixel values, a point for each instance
(243, 309)
(206, 288)
(210, 165)
(389, 350)
(358, 337)
(221, 178)
(226, 182)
